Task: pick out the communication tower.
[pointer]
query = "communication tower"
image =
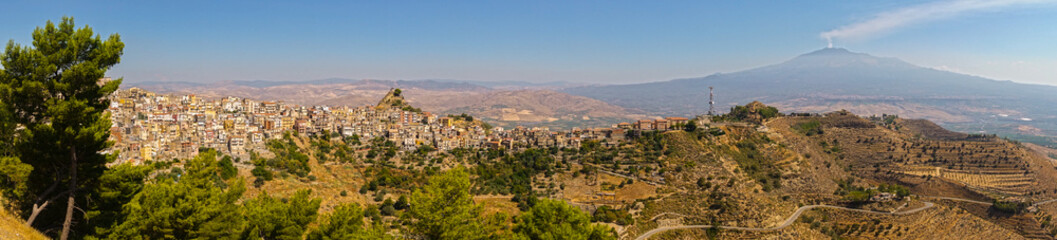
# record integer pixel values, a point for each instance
(711, 102)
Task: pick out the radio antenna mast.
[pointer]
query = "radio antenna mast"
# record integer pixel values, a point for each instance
(711, 102)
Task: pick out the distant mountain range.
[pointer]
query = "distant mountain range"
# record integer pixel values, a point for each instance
(505, 104)
(825, 80)
(832, 79)
(425, 83)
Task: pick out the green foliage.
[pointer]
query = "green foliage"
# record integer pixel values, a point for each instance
(651, 143)
(513, 173)
(896, 189)
(387, 177)
(755, 164)
(401, 203)
(382, 149)
(346, 222)
(13, 177)
(590, 146)
(754, 112)
(1009, 206)
(464, 117)
(444, 209)
(768, 112)
(611, 215)
(524, 201)
(810, 128)
(353, 140)
(858, 196)
(51, 91)
(271, 218)
(117, 186)
(262, 173)
(288, 158)
(553, 219)
(227, 168)
(702, 183)
(411, 109)
(862, 195)
(388, 203)
(195, 206)
(691, 126)
(13, 173)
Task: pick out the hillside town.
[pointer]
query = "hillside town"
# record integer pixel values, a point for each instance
(157, 127)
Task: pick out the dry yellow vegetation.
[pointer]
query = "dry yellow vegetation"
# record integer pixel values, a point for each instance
(14, 228)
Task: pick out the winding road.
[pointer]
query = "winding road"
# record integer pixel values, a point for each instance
(1045, 202)
(788, 221)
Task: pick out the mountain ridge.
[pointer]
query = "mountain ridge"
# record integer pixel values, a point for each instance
(833, 79)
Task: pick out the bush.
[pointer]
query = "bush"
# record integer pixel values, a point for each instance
(401, 203)
(388, 210)
(1009, 206)
(811, 128)
(257, 183)
(610, 215)
(262, 173)
(858, 196)
(227, 168)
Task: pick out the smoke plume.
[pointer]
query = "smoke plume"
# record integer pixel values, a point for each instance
(891, 20)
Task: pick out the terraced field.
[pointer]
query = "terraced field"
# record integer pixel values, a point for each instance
(903, 150)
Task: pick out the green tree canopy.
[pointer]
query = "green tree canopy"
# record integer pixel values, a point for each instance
(53, 91)
(444, 209)
(346, 222)
(196, 205)
(553, 219)
(271, 218)
(117, 186)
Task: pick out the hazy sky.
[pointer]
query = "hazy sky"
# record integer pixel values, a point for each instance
(579, 41)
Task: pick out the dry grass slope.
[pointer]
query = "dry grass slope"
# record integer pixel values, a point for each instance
(13, 228)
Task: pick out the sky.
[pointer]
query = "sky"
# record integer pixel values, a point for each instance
(603, 42)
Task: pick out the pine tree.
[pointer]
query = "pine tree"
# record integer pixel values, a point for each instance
(553, 219)
(346, 222)
(195, 205)
(271, 218)
(118, 185)
(54, 92)
(444, 209)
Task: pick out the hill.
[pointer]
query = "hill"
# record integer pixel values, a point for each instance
(531, 106)
(752, 173)
(794, 161)
(832, 79)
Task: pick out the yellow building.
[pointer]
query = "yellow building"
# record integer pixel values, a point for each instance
(147, 153)
(446, 121)
(288, 123)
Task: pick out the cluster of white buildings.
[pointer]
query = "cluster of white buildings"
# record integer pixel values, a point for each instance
(155, 127)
